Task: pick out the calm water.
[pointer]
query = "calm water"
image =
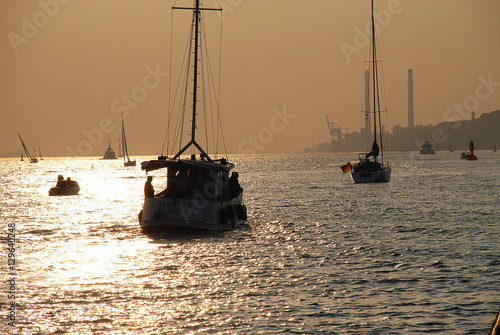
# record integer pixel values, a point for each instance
(319, 254)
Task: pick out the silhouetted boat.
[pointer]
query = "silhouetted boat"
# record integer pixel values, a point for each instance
(126, 158)
(427, 148)
(109, 154)
(372, 170)
(31, 158)
(199, 195)
(65, 187)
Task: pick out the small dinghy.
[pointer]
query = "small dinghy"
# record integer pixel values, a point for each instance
(65, 187)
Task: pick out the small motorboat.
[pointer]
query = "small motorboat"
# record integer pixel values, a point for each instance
(65, 187)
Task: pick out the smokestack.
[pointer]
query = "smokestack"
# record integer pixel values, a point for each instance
(410, 99)
(367, 104)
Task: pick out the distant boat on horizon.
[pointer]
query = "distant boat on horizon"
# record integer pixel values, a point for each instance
(126, 158)
(110, 153)
(427, 148)
(31, 158)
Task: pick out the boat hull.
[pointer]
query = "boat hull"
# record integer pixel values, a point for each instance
(427, 151)
(190, 214)
(381, 176)
(56, 191)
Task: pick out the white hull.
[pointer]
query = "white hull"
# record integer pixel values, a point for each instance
(196, 213)
(382, 176)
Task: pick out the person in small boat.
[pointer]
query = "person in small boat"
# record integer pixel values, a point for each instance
(60, 181)
(149, 191)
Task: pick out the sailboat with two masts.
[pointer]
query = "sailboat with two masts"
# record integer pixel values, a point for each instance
(126, 158)
(32, 159)
(200, 194)
(370, 168)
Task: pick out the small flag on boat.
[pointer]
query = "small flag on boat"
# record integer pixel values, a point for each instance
(346, 168)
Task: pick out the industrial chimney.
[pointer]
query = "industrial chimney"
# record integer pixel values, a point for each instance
(410, 99)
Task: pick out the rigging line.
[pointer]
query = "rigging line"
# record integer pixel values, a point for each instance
(186, 88)
(220, 80)
(203, 95)
(209, 81)
(377, 91)
(166, 140)
(182, 82)
(184, 76)
(172, 102)
(204, 57)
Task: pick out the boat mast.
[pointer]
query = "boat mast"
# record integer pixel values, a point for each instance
(376, 97)
(195, 78)
(24, 146)
(197, 18)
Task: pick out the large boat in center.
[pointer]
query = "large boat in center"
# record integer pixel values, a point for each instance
(200, 194)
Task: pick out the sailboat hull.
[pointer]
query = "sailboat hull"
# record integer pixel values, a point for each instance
(380, 176)
(164, 214)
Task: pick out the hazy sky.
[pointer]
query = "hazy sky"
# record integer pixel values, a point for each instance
(66, 66)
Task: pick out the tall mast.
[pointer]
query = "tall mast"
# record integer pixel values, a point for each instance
(374, 78)
(376, 97)
(197, 18)
(195, 78)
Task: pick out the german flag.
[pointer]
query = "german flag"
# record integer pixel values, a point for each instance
(346, 168)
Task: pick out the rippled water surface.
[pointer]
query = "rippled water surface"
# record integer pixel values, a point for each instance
(319, 255)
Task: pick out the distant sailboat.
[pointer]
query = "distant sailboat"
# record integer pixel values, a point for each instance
(40, 153)
(366, 170)
(31, 158)
(126, 158)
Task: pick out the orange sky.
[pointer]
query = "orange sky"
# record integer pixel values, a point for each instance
(65, 66)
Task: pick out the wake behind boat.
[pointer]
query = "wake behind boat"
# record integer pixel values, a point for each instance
(369, 169)
(200, 194)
